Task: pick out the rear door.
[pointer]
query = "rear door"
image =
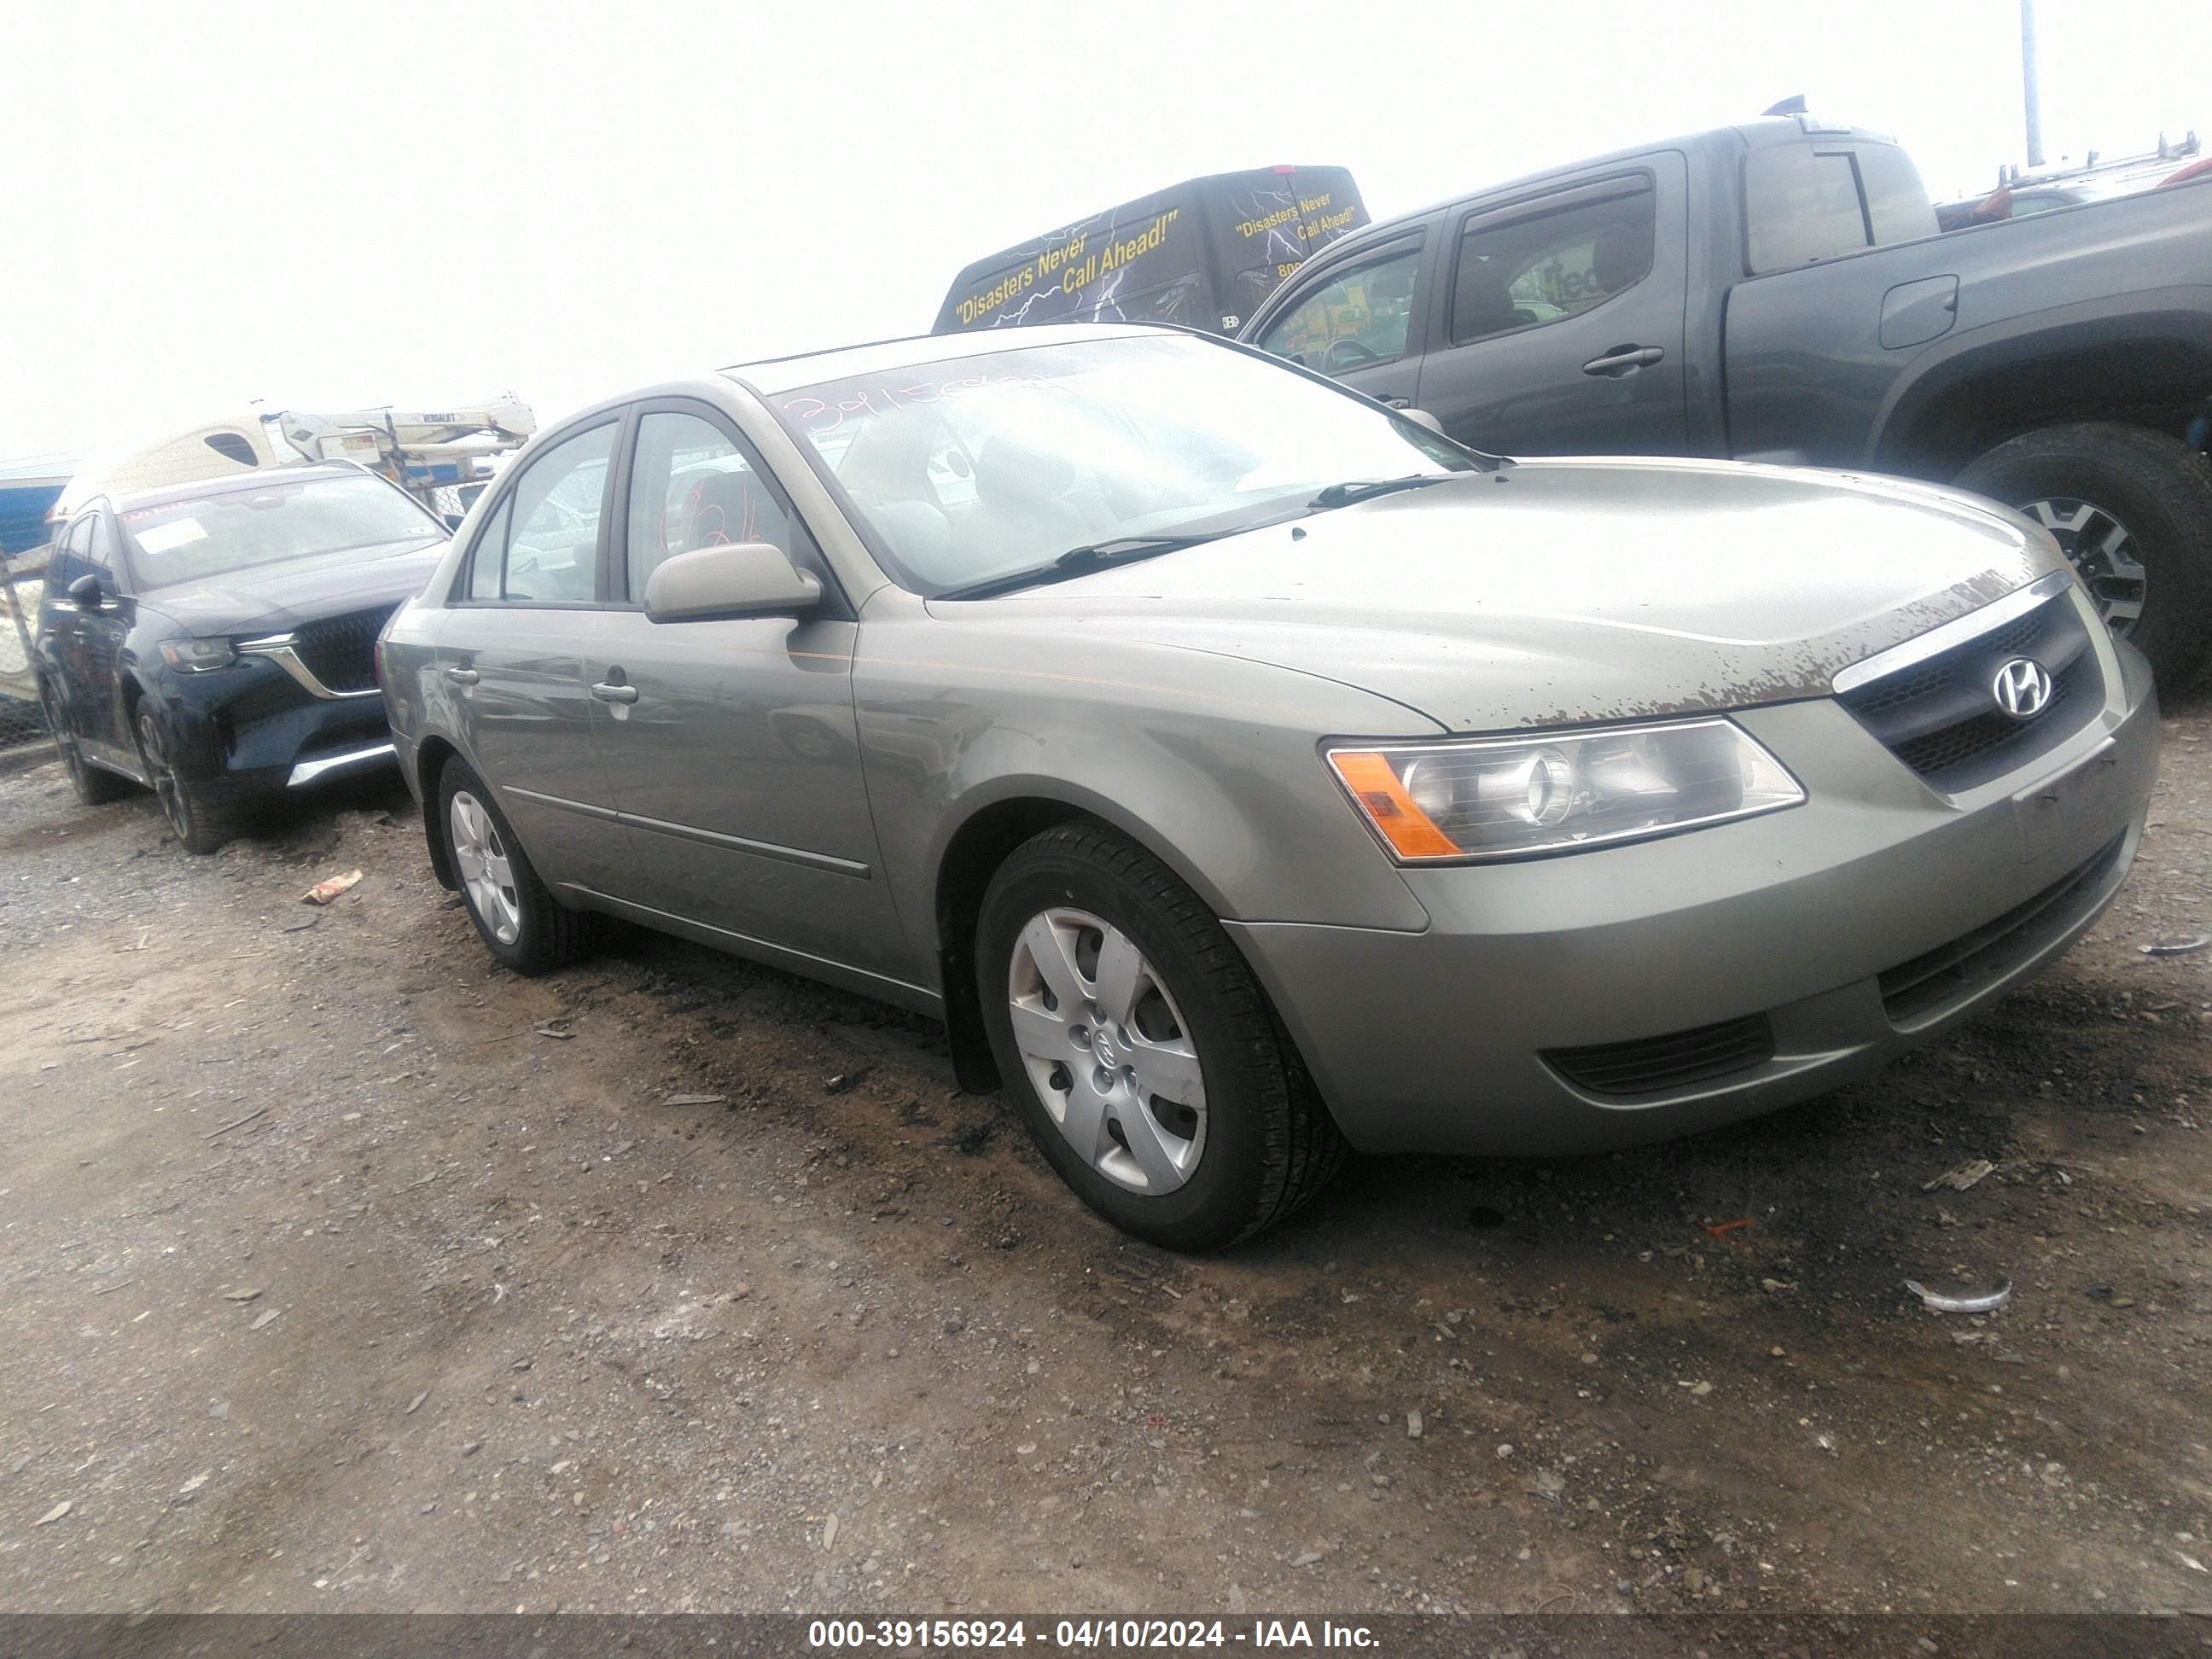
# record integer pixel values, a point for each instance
(1359, 320)
(1561, 330)
(730, 745)
(510, 658)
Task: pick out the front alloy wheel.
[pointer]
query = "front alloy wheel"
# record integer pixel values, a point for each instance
(1108, 1051)
(201, 816)
(2102, 551)
(1131, 1036)
(161, 773)
(480, 859)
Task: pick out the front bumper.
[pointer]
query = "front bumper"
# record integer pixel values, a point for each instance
(1796, 951)
(252, 727)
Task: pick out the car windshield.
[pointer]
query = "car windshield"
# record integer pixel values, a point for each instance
(274, 520)
(981, 467)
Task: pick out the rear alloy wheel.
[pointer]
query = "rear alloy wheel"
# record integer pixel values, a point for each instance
(95, 786)
(1138, 1047)
(2131, 508)
(514, 912)
(487, 873)
(203, 819)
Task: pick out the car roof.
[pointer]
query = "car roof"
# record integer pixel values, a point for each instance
(1751, 135)
(773, 375)
(231, 483)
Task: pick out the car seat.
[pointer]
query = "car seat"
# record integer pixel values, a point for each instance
(1483, 304)
(1619, 260)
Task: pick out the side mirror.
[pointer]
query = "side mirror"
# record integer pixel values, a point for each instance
(1423, 418)
(739, 578)
(84, 593)
(453, 519)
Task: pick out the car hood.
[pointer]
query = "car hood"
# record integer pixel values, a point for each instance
(1564, 590)
(272, 598)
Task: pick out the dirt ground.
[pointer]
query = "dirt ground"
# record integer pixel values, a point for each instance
(341, 1271)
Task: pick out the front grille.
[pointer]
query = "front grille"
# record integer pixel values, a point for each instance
(1954, 973)
(1941, 717)
(341, 651)
(1650, 1066)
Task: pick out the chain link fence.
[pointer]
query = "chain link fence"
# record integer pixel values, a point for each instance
(22, 723)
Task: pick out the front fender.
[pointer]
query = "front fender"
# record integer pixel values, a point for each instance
(1210, 763)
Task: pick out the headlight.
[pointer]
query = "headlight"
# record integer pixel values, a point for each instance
(1557, 792)
(197, 656)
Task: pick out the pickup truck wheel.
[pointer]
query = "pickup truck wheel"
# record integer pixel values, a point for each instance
(2132, 509)
(514, 912)
(1138, 1047)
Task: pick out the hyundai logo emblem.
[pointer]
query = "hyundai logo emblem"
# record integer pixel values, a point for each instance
(2023, 688)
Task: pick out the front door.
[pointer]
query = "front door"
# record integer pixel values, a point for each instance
(511, 654)
(62, 646)
(1561, 332)
(729, 746)
(1358, 322)
(102, 632)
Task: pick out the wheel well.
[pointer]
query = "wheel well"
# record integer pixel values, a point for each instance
(978, 849)
(430, 763)
(2157, 384)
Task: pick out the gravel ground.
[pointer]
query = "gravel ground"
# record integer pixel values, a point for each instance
(344, 1271)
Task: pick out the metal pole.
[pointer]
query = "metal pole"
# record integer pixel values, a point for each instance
(2031, 92)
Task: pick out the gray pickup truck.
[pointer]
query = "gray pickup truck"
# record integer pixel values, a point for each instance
(1779, 292)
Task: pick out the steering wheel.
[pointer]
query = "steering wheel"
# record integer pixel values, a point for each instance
(1348, 353)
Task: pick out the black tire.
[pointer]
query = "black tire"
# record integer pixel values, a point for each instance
(204, 816)
(2160, 490)
(95, 786)
(1269, 1143)
(547, 934)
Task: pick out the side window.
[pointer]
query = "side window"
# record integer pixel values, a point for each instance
(691, 487)
(103, 553)
(488, 559)
(1802, 204)
(1897, 202)
(232, 448)
(72, 555)
(1544, 266)
(1357, 317)
(552, 547)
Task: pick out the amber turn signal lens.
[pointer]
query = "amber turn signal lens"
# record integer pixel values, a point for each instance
(1410, 831)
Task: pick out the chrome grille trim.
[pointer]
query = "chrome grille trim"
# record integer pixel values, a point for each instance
(1959, 630)
(277, 647)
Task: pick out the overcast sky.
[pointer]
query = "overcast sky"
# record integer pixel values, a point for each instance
(332, 206)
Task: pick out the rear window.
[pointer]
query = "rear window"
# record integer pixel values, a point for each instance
(1807, 203)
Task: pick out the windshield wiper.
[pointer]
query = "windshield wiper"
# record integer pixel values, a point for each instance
(1361, 489)
(1081, 562)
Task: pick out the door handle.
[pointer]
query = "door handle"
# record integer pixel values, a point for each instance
(1397, 403)
(1624, 360)
(614, 691)
(463, 676)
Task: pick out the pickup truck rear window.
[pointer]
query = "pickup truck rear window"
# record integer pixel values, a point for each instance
(1807, 203)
